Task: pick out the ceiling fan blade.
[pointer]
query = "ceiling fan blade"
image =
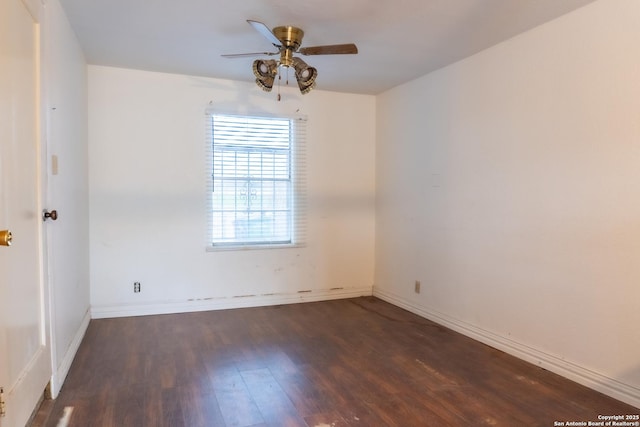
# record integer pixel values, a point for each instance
(266, 32)
(244, 55)
(332, 49)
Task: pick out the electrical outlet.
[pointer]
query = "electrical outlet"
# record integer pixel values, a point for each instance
(136, 287)
(417, 287)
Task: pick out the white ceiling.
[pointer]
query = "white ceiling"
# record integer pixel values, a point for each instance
(398, 40)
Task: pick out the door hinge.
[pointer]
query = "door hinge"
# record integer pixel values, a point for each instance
(2, 408)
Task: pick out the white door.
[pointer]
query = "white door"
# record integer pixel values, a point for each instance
(25, 366)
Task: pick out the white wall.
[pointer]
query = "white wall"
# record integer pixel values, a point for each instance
(508, 184)
(148, 198)
(65, 115)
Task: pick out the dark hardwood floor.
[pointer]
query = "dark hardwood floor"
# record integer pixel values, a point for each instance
(356, 362)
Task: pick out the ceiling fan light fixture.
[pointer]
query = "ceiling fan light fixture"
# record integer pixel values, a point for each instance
(305, 75)
(265, 84)
(305, 88)
(265, 72)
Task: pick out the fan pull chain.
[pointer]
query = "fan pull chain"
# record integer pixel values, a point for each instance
(279, 78)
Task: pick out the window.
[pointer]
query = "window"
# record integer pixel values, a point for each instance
(256, 186)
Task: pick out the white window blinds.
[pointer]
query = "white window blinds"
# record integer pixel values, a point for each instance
(257, 180)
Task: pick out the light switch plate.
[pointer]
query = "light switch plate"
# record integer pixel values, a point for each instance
(54, 165)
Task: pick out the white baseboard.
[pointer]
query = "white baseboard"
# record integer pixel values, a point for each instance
(609, 386)
(60, 374)
(223, 303)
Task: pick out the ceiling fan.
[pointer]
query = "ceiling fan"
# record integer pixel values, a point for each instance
(287, 40)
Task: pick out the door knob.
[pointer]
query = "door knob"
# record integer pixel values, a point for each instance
(5, 238)
(46, 215)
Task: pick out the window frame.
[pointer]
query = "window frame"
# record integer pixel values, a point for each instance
(297, 186)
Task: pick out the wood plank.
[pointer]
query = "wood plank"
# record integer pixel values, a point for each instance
(236, 404)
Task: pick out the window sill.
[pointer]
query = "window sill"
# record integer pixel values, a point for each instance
(231, 247)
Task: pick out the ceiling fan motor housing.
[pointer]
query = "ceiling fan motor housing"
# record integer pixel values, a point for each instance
(291, 38)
